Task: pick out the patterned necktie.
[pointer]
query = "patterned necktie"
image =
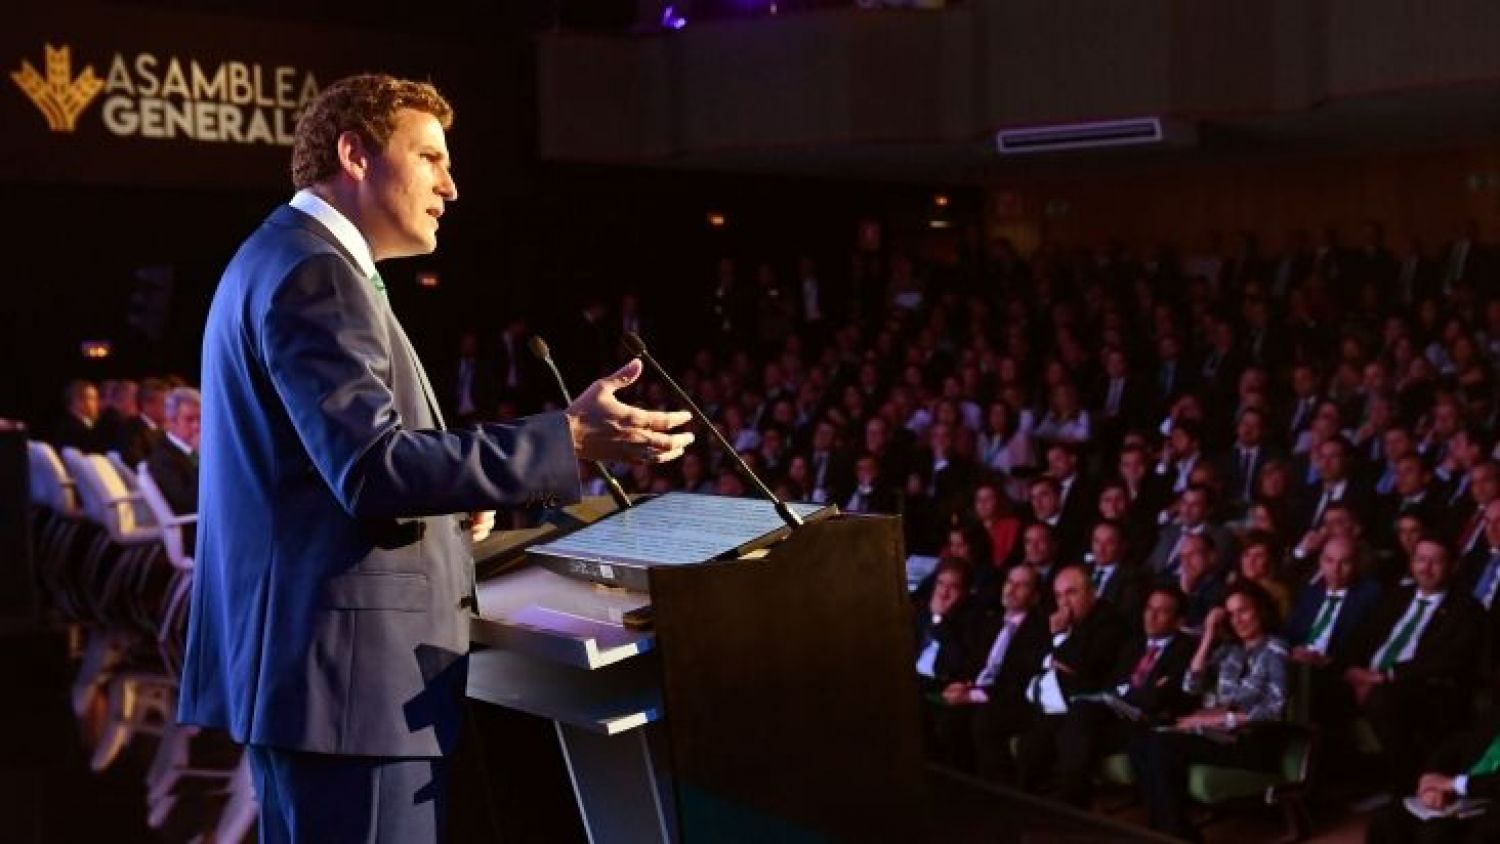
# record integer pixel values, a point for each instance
(378, 282)
(1144, 665)
(1398, 644)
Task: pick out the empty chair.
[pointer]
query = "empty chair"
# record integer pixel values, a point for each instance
(59, 528)
(126, 473)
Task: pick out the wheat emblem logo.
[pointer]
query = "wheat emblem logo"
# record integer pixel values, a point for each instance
(59, 97)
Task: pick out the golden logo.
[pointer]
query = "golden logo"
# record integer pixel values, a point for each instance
(59, 96)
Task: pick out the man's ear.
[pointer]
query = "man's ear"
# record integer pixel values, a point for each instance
(354, 155)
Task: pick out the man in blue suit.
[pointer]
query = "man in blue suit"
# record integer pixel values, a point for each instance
(329, 625)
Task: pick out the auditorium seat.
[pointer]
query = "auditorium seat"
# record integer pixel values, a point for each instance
(60, 528)
(126, 473)
(173, 762)
(1213, 785)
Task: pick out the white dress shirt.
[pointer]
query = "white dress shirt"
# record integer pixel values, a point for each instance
(339, 226)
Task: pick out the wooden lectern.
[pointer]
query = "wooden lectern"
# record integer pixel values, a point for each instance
(774, 699)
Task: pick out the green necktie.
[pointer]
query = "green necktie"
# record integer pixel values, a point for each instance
(1402, 636)
(193, 456)
(1489, 762)
(378, 282)
(1330, 604)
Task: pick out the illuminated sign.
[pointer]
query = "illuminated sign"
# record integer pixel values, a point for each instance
(168, 97)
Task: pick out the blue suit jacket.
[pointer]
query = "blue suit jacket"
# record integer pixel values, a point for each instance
(1358, 601)
(327, 610)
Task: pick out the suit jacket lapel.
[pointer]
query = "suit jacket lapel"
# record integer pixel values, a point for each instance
(291, 216)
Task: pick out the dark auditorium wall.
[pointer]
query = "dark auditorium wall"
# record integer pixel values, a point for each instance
(1428, 192)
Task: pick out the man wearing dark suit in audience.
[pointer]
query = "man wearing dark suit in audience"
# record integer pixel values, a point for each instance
(1482, 580)
(1122, 403)
(1120, 584)
(830, 470)
(1077, 498)
(1466, 766)
(469, 390)
(1004, 646)
(1412, 664)
(174, 460)
(871, 493)
(1412, 494)
(76, 427)
(1336, 483)
(1241, 464)
(138, 435)
(1193, 509)
(328, 630)
(1466, 523)
(1087, 635)
(120, 406)
(1305, 398)
(1147, 678)
(939, 625)
(1320, 629)
(1038, 550)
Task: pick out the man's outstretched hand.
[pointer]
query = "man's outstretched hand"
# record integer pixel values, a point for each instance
(605, 428)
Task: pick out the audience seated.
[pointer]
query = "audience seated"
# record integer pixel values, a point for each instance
(1414, 663)
(987, 704)
(174, 458)
(138, 434)
(1143, 415)
(1086, 637)
(76, 427)
(1248, 690)
(1466, 767)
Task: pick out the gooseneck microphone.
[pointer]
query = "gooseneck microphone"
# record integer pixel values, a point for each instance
(637, 347)
(539, 348)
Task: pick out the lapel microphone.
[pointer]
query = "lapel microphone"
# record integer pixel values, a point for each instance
(539, 348)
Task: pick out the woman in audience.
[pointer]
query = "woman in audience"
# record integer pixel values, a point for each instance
(1066, 419)
(1240, 670)
(992, 511)
(1004, 447)
(1259, 561)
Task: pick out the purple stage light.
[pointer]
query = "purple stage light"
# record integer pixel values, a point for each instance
(670, 19)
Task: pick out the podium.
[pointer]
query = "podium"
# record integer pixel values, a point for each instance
(773, 699)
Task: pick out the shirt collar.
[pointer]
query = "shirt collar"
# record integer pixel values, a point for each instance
(345, 232)
(181, 446)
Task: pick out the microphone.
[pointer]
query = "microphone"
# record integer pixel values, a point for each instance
(539, 348)
(637, 348)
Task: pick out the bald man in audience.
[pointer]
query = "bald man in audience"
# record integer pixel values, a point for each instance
(1087, 635)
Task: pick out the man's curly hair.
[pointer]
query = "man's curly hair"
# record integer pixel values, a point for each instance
(366, 104)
